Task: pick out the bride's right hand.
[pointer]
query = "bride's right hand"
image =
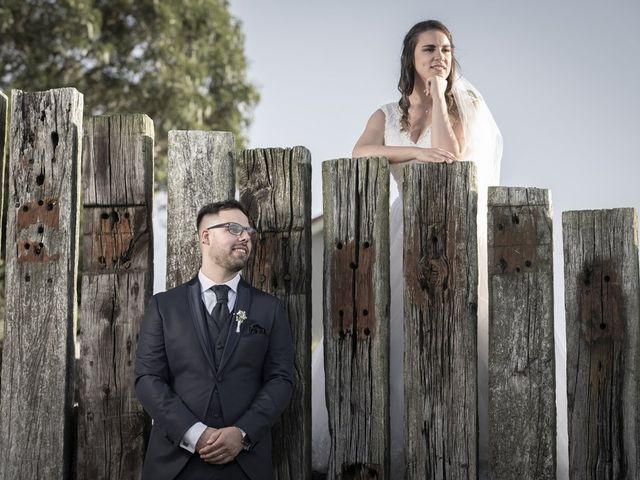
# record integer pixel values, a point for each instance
(434, 155)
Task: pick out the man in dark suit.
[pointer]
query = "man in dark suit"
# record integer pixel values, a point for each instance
(214, 364)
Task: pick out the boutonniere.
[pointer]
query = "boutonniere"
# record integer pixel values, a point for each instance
(241, 316)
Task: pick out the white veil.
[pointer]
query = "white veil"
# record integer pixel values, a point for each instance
(483, 141)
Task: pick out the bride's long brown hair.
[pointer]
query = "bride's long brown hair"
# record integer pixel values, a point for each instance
(408, 69)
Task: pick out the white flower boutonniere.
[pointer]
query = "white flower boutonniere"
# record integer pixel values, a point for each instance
(241, 316)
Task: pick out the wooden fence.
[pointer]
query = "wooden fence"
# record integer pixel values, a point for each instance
(43, 436)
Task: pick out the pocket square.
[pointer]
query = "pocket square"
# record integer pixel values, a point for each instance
(256, 329)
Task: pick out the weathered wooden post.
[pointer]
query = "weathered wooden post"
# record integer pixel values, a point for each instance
(201, 170)
(4, 104)
(117, 281)
(602, 302)
(275, 186)
(522, 405)
(3, 138)
(42, 239)
(356, 316)
(440, 305)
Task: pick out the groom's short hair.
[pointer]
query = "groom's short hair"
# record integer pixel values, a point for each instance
(216, 207)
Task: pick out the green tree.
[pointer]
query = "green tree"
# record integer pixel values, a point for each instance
(180, 62)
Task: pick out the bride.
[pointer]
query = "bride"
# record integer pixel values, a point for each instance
(440, 117)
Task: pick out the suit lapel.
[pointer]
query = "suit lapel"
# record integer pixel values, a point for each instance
(243, 302)
(197, 316)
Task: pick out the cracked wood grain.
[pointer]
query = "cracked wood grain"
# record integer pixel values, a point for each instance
(36, 399)
(275, 187)
(117, 281)
(440, 313)
(356, 316)
(522, 407)
(602, 303)
(201, 170)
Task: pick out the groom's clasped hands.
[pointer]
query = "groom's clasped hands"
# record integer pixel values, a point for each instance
(219, 445)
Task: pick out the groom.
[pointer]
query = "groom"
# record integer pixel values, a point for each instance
(214, 363)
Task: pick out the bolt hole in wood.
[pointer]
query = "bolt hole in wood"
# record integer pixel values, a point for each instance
(366, 331)
(31, 161)
(339, 246)
(25, 208)
(603, 326)
(607, 278)
(359, 471)
(40, 179)
(503, 265)
(27, 246)
(104, 216)
(50, 206)
(527, 263)
(515, 219)
(365, 312)
(366, 244)
(54, 139)
(40, 202)
(40, 229)
(27, 278)
(353, 265)
(500, 226)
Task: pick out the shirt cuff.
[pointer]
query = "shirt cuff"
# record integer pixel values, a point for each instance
(190, 439)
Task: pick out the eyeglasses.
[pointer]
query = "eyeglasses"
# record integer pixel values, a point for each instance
(235, 228)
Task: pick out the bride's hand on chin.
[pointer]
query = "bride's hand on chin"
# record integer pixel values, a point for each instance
(435, 86)
(434, 155)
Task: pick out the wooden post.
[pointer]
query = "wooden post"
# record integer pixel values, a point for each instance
(356, 316)
(275, 186)
(602, 302)
(4, 104)
(42, 238)
(522, 404)
(201, 171)
(117, 281)
(441, 290)
(3, 138)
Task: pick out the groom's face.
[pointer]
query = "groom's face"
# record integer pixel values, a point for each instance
(220, 246)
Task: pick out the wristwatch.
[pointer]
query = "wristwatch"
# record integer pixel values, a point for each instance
(245, 442)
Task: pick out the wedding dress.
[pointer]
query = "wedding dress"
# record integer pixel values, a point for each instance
(483, 145)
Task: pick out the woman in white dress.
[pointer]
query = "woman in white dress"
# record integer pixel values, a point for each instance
(440, 118)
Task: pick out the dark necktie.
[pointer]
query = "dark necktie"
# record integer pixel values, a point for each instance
(220, 310)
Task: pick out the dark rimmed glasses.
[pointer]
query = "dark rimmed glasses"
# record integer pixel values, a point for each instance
(235, 228)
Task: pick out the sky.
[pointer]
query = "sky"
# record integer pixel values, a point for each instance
(562, 79)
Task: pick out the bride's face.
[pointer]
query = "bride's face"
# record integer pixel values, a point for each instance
(433, 54)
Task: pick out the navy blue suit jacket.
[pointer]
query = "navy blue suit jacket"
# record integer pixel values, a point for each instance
(175, 375)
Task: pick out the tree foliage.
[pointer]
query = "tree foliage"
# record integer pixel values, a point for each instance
(180, 62)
